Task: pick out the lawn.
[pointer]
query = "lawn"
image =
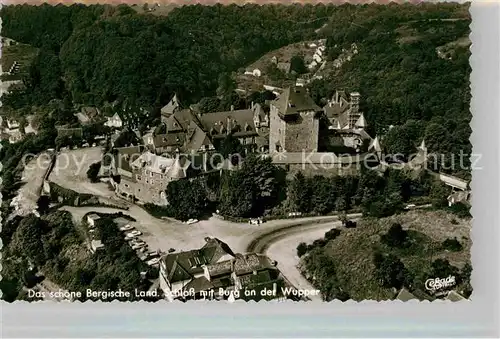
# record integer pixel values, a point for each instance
(353, 250)
(23, 54)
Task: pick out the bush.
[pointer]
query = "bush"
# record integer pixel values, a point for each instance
(301, 249)
(93, 172)
(332, 234)
(452, 245)
(396, 236)
(461, 210)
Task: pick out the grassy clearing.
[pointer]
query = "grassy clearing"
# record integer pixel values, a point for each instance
(353, 250)
(23, 54)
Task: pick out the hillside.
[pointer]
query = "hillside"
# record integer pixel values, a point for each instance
(351, 254)
(24, 54)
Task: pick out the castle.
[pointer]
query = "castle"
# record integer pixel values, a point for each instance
(289, 132)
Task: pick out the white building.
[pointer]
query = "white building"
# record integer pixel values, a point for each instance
(114, 121)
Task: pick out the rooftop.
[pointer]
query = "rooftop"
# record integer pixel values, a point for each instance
(294, 100)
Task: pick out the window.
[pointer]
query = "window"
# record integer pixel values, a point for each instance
(152, 182)
(138, 177)
(151, 174)
(126, 185)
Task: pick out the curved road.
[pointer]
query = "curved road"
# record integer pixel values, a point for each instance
(280, 244)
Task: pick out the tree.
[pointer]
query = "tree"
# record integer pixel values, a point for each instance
(298, 194)
(231, 148)
(301, 249)
(28, 239)
(43, 203)
(226, 84)
(187, 198)
(399, 142)
(390, 271)
(93, 172)
(297, 64)
(396, 236)
(209, 104)
(439, 194)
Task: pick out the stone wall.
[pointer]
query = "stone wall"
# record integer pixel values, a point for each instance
(302, 134)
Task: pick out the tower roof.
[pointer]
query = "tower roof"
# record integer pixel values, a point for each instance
(361, 123)
(375, 145)
(294, 100)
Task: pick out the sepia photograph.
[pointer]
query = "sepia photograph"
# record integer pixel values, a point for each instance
(307, 152)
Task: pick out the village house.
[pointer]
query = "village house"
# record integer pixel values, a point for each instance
(204, 272)
(114, 122)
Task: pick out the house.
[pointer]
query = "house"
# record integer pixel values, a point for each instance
(170, 108)
(93, 219)
(12, 124)
(405, 295)
(215, 271)
(292, 113)
(69, 131)
(82, 118)
(96, 245)
(114, 122)
(284, 67)
(458, 197)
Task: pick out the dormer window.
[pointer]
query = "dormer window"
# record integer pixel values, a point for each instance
(213, 131)
(248, 128)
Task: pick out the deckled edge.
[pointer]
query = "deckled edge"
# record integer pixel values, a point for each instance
(180, 3)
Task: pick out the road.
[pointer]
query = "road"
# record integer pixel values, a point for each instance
(280, 244)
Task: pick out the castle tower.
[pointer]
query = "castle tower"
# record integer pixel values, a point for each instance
(354, 109)
(294, 122)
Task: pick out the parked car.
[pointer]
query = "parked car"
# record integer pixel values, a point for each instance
(126, 228)
(294, 214)
(255, 221)
(410, 206)
(191, 221)
(153, 262)
(138, 246)
(130, 236)
(135, 233)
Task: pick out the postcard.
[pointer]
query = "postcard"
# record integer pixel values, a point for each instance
(164, 153)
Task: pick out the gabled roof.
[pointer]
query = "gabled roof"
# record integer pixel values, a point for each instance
(375, 145)
(405, 295)
(361, 123)
(171, 107)
(216, 124)
(294, 100)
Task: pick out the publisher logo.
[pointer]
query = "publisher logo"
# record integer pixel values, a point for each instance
(437, 284)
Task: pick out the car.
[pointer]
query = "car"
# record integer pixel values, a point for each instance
(126, 228)
(410, 206)
(130, 236)
(171, 250)
(191, 221)
(138, 246)
(294, 214)
(153, 262)
(255, 221)
(135, 233)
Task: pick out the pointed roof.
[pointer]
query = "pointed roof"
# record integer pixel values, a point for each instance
(171, 107)
(294, 100)
(361, 123)
(375, 145)
(422, 146)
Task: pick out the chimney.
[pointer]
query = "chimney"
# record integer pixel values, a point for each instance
(229, 124)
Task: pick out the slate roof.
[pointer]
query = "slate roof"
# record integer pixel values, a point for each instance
(125, 156)
(171, 167)
(172, 106)
(294, 100)
(239, 121)
(184, 265)
(405, 295)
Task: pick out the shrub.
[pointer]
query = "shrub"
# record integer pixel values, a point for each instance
(332, 234)
(302, 249)
(396, 236)
(93, 172)
(452, 245)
